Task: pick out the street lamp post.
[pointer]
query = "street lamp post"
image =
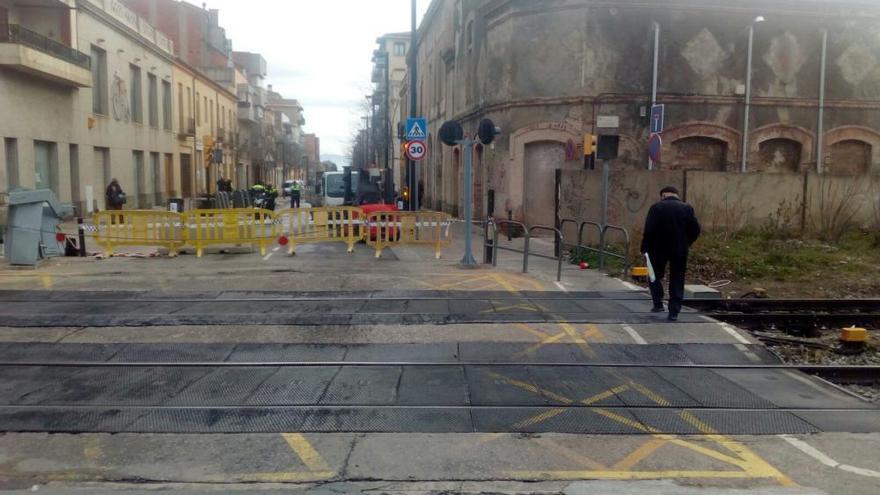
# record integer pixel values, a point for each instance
(745, 134)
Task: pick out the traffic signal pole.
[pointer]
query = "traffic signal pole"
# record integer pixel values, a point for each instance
(468, 261)
(413, 100)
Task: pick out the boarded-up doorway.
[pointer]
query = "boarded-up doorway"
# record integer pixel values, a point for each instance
(779, 155)
(849, 157)
(541, 160)
(697, 153)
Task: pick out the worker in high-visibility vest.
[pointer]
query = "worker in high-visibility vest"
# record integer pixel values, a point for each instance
(295, 190)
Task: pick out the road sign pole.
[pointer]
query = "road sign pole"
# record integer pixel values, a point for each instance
(468, 261)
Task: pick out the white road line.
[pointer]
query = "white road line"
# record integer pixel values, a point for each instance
(632, 286)
(734, 333)
(274, 250)
(824, 459)
(635, 335)
(561, 287)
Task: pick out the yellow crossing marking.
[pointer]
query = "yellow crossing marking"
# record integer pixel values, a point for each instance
(305, 451)
(318, 468)
(639, 454)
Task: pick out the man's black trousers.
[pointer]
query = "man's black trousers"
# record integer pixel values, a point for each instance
(677, 267)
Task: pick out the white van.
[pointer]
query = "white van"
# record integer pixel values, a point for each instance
(334, 188)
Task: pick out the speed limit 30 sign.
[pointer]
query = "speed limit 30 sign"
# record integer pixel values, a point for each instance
(416, 150)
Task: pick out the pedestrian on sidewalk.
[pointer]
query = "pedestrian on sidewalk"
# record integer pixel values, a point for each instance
(114, 195)
(670, 229)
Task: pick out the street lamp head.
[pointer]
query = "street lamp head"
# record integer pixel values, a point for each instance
(759, 19)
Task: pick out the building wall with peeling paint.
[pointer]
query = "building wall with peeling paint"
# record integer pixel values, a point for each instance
(546, 70)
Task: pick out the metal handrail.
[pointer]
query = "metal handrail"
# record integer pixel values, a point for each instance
(558, 257)
(15, 33)
(604, 245)
(495, 246)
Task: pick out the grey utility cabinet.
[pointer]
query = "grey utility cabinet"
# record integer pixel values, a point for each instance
(33, 222)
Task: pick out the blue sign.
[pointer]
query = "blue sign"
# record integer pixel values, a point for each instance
(658, 115)
(416, 129)
(655, 146)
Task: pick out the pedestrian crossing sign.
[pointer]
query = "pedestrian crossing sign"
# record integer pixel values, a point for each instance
(416, 129)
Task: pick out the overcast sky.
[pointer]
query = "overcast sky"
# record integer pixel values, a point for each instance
(318, 51)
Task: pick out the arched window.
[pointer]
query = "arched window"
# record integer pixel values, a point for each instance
(697, 153)
(778, 155)
(849, 157)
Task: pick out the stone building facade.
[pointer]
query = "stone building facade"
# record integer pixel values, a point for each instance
(550, 71)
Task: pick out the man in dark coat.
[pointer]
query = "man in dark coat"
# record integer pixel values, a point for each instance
(670, 229)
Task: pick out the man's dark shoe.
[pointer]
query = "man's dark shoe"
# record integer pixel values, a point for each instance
(672, 317)
(658, 309)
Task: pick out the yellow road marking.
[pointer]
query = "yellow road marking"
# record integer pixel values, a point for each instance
(573, 455)
(531, 388)
(514, 306)
(544, 416)
(639, 454)
(286, 476)
(604, 395)
(504, 283)
(592, 331)
(576, 338)
(533, 331)
(307, 454)
(531, 350)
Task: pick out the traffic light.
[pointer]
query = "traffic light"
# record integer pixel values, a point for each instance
(589, 144)
(406, 193)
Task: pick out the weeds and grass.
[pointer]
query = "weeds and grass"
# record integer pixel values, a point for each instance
(790, 267)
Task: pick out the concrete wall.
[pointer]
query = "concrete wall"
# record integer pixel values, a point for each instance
(726, 201)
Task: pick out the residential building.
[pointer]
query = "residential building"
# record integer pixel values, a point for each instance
(396, 47)
(199, 39)
(311, 156)
(88, 83)
(549, 72)
(257, 139)
(291, 139)
(208, 125)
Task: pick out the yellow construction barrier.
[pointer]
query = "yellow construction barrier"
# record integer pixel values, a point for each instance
(137, 228)
(430, 228)
(328, 224)
(203, 228)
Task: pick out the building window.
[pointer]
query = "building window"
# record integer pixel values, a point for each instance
(46, 166)
(180, 106)
(139, 177)
(153, 99)
(399, 49)
(12, 177)
(198, 115)
(99, 81)
(205, 109)
(166, 105)
(470, 35)
(137, 97)
(156, 174)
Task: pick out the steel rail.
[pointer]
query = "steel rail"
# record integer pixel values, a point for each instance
(550, 405)
(817, 368)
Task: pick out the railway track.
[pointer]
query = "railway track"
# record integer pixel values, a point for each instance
(796, 316)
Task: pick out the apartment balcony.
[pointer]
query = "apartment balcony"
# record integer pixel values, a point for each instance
(26, 51)
(187, 130)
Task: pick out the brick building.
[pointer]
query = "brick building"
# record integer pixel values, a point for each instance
(550, 71)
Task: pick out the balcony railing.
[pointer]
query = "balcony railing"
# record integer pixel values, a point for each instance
(188, 128)
(14, 33)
